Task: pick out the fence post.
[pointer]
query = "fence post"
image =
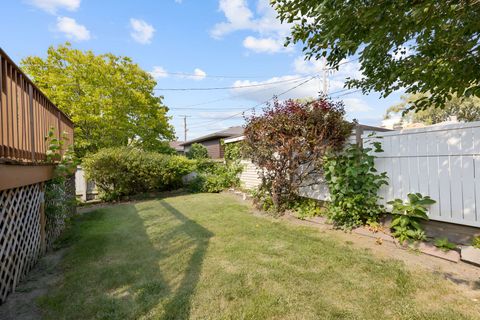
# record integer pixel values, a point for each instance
(32, 121)
(358, 135)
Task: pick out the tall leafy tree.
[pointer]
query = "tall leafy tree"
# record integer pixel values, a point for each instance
(422, 46)
(467, 110)
(110, 98)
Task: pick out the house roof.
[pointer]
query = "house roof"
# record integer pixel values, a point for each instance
(177, 145)
(227, 133)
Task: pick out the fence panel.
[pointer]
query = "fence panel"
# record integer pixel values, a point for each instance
(26, 115)
(440, 161)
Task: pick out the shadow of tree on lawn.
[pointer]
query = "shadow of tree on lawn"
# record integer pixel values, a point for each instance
(179, 305)
(130, 261)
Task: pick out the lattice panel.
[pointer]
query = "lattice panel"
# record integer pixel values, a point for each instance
(20, 240)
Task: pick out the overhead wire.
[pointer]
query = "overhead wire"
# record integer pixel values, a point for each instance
(254, 107)
(231, 87)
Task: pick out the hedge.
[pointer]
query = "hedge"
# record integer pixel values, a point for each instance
(126, 171)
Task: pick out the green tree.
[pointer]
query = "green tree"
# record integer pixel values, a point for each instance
(197, 151)
(422, 46)
(110, 98)
(467, 109)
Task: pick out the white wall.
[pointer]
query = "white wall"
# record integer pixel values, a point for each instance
(442, 162)
(85, 190)
(249, 177)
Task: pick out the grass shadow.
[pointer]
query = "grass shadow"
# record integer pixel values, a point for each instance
(179, 305)
(123, 262)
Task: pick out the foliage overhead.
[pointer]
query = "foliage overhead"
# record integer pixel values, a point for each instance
(288, 141)
(353, 183)
(407, 216)
(110, 98)
(197, 151)
(422, 46)
(466, 109)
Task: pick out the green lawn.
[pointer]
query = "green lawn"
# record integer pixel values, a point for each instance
(204, 256)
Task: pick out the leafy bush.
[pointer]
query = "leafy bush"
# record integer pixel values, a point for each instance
(197, 151)
(476, 242)
(215, 177)
(233, 151)
(353, 183)
(305, 208)
(289, 136)
(444, 244)
(407, 216)
(126, 171)
(262, 199)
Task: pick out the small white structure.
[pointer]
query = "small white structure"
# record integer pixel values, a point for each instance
(85, 190)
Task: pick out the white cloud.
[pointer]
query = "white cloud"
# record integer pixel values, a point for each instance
(159, 72)
(52, 6)
(266, 45)
(336, 78)
(260, 92)
(356, 105)
(198, 74)
(263, 22)
(72, 29)
(142, 32)
(178, 1)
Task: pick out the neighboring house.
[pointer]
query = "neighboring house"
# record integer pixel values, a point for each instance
(177, 145)
(213, 141)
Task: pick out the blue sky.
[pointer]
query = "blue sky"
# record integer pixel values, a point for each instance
(189, 44)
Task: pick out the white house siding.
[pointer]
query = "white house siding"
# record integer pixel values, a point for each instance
(442, 162)
(249, 176)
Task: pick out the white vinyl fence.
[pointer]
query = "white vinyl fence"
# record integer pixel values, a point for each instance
(442, 162)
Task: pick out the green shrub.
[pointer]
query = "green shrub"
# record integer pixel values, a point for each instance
(444, 244)
(233, 151)
(407, 216)
(306, 208)
(262, 199)
(125, 171)
(353, 183)
(215, 177)
(476, 242)
(197, 151)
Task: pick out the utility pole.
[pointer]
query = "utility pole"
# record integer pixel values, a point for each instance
(184, 125)
(325, 77)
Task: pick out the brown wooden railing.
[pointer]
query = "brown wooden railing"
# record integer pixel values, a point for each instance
(26, 116)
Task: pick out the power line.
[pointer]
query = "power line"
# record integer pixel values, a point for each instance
(197, 125)
(348, 93)
(232, 87)
(257, 105)
(184, 74)
(204, 109)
